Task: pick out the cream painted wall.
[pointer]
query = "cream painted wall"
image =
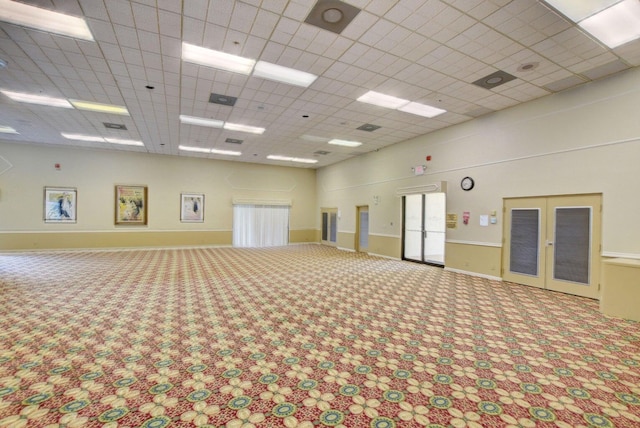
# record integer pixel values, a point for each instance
(96, 172)
(585, 140)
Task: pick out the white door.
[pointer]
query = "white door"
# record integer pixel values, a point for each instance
(329, 233)
(424, 225)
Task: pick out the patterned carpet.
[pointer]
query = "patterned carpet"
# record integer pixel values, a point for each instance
(299, 336)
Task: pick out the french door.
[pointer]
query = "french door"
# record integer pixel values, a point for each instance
(329, 233)
(554, 243)
(424, 226)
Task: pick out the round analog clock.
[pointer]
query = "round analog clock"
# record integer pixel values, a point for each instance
(467, 183)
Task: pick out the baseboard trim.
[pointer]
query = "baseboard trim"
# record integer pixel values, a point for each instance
(481, 275)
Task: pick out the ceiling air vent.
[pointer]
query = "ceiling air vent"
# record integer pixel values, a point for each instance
(332, 15)
(225, 100)
(233, 141)
(368, 127)
(114, 126)
(321, 152)
(494, 79)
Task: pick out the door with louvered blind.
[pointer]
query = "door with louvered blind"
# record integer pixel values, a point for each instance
(553, 243)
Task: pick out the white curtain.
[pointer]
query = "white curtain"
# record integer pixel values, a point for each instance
(260, 225)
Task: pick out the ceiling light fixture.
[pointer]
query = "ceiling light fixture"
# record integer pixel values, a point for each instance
(382, 100)
(579, 10)
(616, 25)
(216, 59)
(422, 110)
(225, 152)
(291, 159)
(44, 20)
(124, 142)
(100, 108)
(613, 22)
(4, 129)
(345, 143)
(37, 99)
(243, 128)
(82, 137)
(200, 121)
(194, 149)
(400, 104)
(99, 139)
(269, 71)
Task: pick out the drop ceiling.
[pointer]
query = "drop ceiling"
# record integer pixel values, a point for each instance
(427, 51)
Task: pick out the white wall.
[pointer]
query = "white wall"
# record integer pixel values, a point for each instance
(585, 140)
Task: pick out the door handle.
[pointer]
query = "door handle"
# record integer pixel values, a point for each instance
(549, 243)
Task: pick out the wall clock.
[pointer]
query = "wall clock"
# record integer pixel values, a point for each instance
(467, 183)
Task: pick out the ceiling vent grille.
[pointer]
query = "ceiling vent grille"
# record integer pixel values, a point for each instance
(368, 127)
(224, 100)
(114, 126)
(494, 79)
(233, 141)
(332, 15)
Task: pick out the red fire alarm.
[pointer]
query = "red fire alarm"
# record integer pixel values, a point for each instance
(429, 158)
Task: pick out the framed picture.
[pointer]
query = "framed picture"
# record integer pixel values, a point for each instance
(192, 207)
(60, 204)
(131, 205)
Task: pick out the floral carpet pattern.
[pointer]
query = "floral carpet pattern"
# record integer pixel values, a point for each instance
(299, 336)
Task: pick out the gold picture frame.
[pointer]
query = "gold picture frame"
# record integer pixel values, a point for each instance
(131, 205)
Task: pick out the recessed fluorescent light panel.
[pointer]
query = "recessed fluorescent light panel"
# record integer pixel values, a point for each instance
(7, 130)
(194, 149)
(124, 142)
(269, 71)
(99, 139)
(421, 110)
(216, 59)
(613, 22)
(82, 137)
(291, 159)
(100, 108)
(579, 10)
(37, 99)
(225, 152)
(200, 121)
(345, 143)
(616, 25)
(243, 128)
(382, 100)
(44, 20)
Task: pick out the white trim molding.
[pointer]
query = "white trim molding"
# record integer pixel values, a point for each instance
(481, 244)
(621, 255)
(480, 275)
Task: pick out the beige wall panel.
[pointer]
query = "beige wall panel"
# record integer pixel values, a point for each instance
(307, 235)
(620, 294)
(61, 240)
(346, 240)
(480, 259)
(388, 246)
